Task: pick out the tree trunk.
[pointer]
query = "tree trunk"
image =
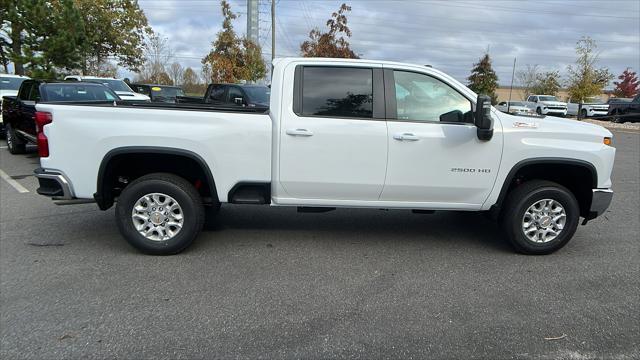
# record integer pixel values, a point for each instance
(16, 48)
(579, 115)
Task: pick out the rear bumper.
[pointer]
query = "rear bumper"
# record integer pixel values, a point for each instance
(600, 201)
(53, 184)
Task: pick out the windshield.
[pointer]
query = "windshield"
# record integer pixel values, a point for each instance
(593, 99)
(516, 103)
(10, 83)
(77, 92)
(166, 92)
(548, 98)
(114, 84)
(258, 94)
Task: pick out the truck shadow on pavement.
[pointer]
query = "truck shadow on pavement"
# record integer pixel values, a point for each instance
(442, 229)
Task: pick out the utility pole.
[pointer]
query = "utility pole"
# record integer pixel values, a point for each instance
(513, 74)
(273, 29)
(273, 33)
(253, 20)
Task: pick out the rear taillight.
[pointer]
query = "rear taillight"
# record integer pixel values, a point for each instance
(42, 118)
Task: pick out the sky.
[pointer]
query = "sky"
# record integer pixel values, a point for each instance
(450, 35)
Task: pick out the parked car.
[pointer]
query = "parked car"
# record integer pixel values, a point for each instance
(117, 85)
(232, 95)
(159, 93)
(19, 112)
(592, 106)
(332, 137)
(515, 108)
(9, 85)
(622, 112)
(547, 105)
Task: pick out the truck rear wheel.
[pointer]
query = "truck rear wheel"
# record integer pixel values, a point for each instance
(160, 214)
(540, 217)
(14, 144)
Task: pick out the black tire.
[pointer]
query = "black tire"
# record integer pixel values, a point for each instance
(182, 192)
(14, 144)
(583, 114)
(526, 195)
(538, 111)
(617, 119)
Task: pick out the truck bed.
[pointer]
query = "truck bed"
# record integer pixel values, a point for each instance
(234, 142)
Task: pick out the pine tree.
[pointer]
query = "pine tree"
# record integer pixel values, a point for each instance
(483, 80)
(628, 87)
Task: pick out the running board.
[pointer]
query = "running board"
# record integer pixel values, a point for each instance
(312, 209)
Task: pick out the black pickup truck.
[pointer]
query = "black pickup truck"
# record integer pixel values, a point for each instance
(158, 93)
(18, 112)
(623, 111)
(233, 95)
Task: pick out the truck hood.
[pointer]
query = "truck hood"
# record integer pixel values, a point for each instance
(553, 103)
(556, 125)
(8, 93)
(128, 95)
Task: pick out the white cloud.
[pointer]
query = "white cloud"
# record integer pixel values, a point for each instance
(451, 35)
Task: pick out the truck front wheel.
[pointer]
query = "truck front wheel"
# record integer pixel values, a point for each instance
(160, 214)
(540, 217)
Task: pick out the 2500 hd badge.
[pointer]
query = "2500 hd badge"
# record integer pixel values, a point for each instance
(471, 170)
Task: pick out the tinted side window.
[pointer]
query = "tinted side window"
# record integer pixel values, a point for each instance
(34, 95)
(217, 94)
(143, 90)
(234, 93)
(421, 97)
(25, 90)
(337, 92)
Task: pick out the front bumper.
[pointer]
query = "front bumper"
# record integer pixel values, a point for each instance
(600, 201)
(53, 184)
(562, 112)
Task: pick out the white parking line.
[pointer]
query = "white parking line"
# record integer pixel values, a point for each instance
(3, 147)
(16, 185)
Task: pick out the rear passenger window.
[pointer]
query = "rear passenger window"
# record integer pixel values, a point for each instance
(35, 92)
(337, 92)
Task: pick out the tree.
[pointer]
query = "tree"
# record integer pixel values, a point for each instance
(230, 58)
(333, 43)
(252, 61)
(176, 71)
(527, 79)
(158, 54)
(584, 79)
(483, 80)
(628, 87)
(40, 37)
(114, 29)
(191, 83)
(547, 83)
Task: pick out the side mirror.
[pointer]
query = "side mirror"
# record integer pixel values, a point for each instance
(483, 118)
(238, 101)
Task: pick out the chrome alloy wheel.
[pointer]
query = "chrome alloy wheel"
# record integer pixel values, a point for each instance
(157, 216)
(543, 221)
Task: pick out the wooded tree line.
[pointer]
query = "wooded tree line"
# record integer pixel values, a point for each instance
(584, 79)
(42, 38)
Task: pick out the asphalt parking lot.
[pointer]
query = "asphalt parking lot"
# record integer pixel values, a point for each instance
(275, 283)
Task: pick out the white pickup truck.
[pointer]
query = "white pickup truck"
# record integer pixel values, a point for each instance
(547, 104)
(338, 133)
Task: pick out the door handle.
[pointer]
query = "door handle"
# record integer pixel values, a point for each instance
(406, 137)
(299, 132)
